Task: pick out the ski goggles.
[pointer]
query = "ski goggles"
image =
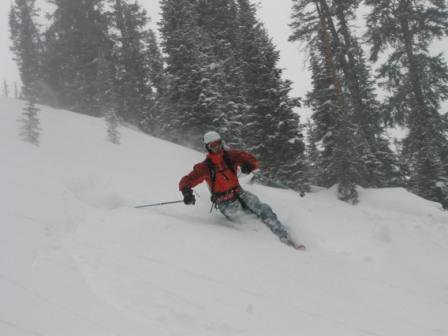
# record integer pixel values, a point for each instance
(215, 146)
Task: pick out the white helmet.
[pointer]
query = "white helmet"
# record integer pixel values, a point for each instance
(211, 137)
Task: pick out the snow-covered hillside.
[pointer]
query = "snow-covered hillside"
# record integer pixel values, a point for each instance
(76, 257)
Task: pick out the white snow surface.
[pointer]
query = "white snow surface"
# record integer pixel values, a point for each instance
(76, 257)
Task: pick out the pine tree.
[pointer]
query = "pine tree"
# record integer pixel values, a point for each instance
(322, 99)
(377, 164)
(335, 129)
(381, 165)
(152, 123)
(155, 63)
(189, 69)
(78, 31)
(26, 47)
(417, 83)
(5, 89)
(312, 155)
(106, 96)
(113, 134)
(25, 40)
(30, 125)
(16, 91)
(218, 20)
(271, 128)
(131, 53)
(323, 102)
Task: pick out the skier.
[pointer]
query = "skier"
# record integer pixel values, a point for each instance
(219, 170)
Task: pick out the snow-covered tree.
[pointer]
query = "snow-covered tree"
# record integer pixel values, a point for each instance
(271, 127)
(16, 91)
(377, 165)
(77, 33)
(323, 102)
(417, 82)
(107, 96)
(131, 49)
(155, 62)
(335, 130)
(5, 88)
(190, 92)
(151, 123)
(218, 20)
(26, 47)
(30, 125)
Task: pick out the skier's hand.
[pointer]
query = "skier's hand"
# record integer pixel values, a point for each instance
(247, 168)
(188, 196)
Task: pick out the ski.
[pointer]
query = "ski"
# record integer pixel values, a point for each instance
(294, 245)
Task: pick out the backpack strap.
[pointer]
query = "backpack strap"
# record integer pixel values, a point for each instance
(212, 170)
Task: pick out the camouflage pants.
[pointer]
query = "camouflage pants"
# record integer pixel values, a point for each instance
(246, 202)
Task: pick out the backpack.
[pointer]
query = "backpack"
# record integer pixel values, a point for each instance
(212, 168)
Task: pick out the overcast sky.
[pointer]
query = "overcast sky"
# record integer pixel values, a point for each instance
(275, 15)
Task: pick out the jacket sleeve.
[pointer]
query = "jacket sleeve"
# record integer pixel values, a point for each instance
(197, 175)
(240, 157)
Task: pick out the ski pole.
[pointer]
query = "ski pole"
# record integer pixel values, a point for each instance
(156, 204)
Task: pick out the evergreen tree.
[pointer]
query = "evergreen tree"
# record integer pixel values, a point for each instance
(153, 122)
(381, 165)
(113, 134)
(312, 156)
(204, 85)
(271, 127)
(5, 89)
(78, 31)
(335, 128)
(417, 83)
(155, 63)
(218, 20)
(133, 62)
(107, 97)
(189, 68)
(26, 48)
(16, 91)
(344, 162)
(25, 40)
(377, 164)
(30, 124)
(323, 102)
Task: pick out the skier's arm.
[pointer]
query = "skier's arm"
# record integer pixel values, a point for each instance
(196, 176)
(246, 161)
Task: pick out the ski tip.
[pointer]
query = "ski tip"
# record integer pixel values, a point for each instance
(300, 247)
(294, 245)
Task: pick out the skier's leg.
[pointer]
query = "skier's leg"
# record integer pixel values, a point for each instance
(232, 210)
(264, 212)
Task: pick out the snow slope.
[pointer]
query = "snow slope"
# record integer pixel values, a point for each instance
(77, 259)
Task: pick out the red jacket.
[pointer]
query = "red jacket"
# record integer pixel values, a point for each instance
(226, 178)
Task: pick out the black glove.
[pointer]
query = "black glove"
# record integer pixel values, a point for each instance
(247, 168)
(189, 196)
